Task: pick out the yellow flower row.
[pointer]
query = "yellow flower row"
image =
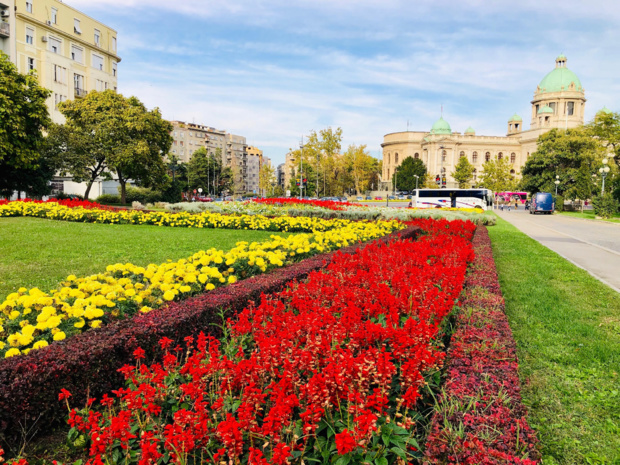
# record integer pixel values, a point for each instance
(52, 210)
(31, 319)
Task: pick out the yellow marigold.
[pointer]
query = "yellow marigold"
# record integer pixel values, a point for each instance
(95, 323)
(210, 287)
(80, 324)
(232, 279)
(169, 295)
(40, 344)
(12, 353)
(59, 336)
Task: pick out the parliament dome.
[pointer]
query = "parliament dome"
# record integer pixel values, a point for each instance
(441, 126)
(560, 79)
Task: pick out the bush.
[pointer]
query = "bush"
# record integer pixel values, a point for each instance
(559, 203)
(143, 195)
(63, 196)
(108, 199)
(173, 193)
(605, 205)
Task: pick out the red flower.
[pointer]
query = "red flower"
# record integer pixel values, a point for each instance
(345, 442)
(64, 394)
(139, 353)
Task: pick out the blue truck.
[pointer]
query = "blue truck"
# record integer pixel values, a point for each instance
(542, 202)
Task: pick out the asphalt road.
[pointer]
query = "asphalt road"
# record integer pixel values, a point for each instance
(591, 245)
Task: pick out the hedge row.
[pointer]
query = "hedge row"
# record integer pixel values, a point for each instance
(89, 362)
(479, 417)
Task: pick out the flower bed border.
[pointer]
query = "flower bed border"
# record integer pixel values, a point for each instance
(88, 363)
(479, 417)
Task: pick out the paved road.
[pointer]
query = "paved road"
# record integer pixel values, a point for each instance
(593, 246)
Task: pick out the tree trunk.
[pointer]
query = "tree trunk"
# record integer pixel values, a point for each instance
(123, 182)
(88, 187)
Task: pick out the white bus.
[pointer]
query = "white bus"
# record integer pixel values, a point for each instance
(453, 198)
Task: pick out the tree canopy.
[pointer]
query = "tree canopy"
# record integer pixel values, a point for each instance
(463, 172)
(404, 178)
(106, 129)
(496, 176)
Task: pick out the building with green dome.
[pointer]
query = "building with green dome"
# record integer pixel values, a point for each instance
(559, 102)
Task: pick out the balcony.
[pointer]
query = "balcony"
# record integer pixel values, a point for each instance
(79, 93)
(5, 29)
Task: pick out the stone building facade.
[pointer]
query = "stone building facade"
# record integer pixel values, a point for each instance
(559, 102)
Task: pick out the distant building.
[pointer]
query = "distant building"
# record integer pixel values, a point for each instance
(187, 138)
(253, 162)
(559, 102)
(280, 175)
(72, 53)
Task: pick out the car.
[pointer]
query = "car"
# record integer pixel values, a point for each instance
(392, 197)
(542, 202)
(401, 197)
(378, 197)
(359, 197)
(368, 197)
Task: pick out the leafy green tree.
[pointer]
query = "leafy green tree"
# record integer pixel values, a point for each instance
(361, 168)
(606, 128)
(321, 151)
(203, 169)
(404, 178)
(23, 119)
(266, 178)
(561, 153)
(496, 176)
(108, 128)
(463, 172)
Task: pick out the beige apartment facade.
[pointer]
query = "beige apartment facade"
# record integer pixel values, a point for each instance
(559, 102)
(72, 53)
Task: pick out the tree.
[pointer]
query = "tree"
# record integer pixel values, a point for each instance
(203, 169)
(404, 178)
(496, 176)
(463, 172)
(606, 128)
(561, 153)
(120, 133)
(266, 178)
(361, 168)
(23, 119)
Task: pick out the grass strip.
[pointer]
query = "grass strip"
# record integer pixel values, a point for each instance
(567, 328)
(40, 253)
(590, 215)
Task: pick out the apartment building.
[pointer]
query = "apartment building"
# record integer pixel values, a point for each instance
(72, 53)
(254, 160)
(187, 138)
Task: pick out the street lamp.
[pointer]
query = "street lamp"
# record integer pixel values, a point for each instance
(604, 170)
(416, 180)
(557, 182)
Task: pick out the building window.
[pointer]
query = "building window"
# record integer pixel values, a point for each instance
(97, 62)
(570, 108)
(30, 64)
(388, 173)
(417, 155)
(487, 156)
(60, 74)
(388, 157)
(100, 85)
(29, 7)
(552, 106)
(512, 172)
(55, 44)
(443, 155)
(181, 143)
(114, 44)
(462, 154)
(114, 68)
(29, 35)
(513, 157)
(474, 157)
(76, 26)
(97, 37)
(396, 158)
(54, 19)
(78, 84)
(500, 155)
(537, 108)
(77, 54)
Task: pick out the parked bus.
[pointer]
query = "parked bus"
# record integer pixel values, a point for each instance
(455, 198)
(511, 196)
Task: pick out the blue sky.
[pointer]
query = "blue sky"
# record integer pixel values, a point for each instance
(273, 70)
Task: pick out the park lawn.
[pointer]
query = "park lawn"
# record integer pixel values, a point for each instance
(36, 252)
(567, 328)
(589, 215)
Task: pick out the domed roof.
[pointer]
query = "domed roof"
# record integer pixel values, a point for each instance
(441, 126)
(515, 117)
(604, 110)
(561, 78)
(545, 109)
(470, 130)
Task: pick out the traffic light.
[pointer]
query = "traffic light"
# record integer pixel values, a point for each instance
(437, 180)
(443, 181)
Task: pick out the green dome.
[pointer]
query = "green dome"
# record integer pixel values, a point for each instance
(545, 109)
(515, 117)
(605, 110)
(441, 126)
(470, 130)
(560, 78)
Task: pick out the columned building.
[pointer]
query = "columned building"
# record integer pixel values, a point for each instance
(559, 102)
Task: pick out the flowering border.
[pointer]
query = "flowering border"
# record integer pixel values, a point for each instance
(479, 417)
(88, 363)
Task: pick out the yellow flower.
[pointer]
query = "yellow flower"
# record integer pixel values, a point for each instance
(169, 295)
(12, 353)
(232, 279)
(59, 336)
(40, 344)
(80, 324)
(95, 323)
(210, 287)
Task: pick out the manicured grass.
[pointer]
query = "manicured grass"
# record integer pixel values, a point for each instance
(567, 327)
(589, 215)
(40, 253)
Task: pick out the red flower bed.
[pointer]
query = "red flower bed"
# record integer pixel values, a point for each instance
(29, 384)
(65, 202)
(480, 418)
(329, 204)
(329, 366)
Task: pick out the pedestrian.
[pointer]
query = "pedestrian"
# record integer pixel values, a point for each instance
(501, 205)
(516, 205)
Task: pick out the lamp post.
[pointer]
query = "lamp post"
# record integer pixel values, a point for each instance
(556, 182)
(604, 170)
(416, 180)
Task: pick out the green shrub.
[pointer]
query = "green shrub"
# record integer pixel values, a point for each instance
(605, 205)
(559, 203)
(108, 199)
(143, 195)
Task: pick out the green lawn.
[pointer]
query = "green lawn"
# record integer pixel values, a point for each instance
(40, 253)
(567, 327)
(589, 215)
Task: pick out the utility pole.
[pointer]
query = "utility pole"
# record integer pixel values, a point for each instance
(301, 168)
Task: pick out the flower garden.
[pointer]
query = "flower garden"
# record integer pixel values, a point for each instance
(327, 345)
